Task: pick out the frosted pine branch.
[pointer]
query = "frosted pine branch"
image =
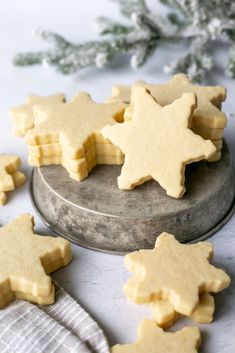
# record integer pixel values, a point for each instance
(197, 22)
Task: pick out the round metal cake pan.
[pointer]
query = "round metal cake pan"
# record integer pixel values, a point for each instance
(94, 213)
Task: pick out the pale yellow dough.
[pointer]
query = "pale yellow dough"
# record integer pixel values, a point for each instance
(45, 150)
(10, 296)
(209, 98)
(122, 93)
(22, 116)
(168, 272)
(73, 124)
(26, 259)
(216, 157)
(10, 177)
(19, 178)
(204, 131)
(152, 339)
(8, 165)
(151, 146)
(70, 131)
(78, 169)
(165, 315)
(215, 135)
(54, 149)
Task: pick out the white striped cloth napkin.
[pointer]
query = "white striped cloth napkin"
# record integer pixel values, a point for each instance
(63, 327)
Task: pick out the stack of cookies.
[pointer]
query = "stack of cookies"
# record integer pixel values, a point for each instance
(159, 128)
(10, 176)
(165, 278)
(208, 121)
(80, 165)
(69, 134)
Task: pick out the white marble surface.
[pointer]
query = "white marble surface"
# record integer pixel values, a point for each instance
(96, 279)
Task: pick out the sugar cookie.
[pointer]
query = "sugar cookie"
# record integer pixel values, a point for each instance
(10, 296)
(10, 177)
(3, 198)
(78, 169)
(75, 126)
(45, 150)
(152, 339)
(26, 259)
(54, 149)
(165, 315)
(121, 93)
(151, 146)
(18, 178)
(8, 165)
(213, 134)
(203, 131)
(22, 115)
(209, 98)
(196, 125)
(168, 272)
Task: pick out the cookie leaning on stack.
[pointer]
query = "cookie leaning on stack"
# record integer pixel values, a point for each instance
(208, 121)
(158, 142)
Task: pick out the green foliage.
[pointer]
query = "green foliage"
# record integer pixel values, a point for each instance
(197, 22)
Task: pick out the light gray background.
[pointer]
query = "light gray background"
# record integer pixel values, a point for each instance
(93, 278)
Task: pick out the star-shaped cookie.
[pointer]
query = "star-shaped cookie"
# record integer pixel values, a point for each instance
(8, 165)
(10, 177)
(157, 142)
(152, 339)
(75, 125)
(26, 259)
(174, 272)
(207, 113)
(23, 116)
(209, 99)
(213, 134)
(165, 316)
(122, 93)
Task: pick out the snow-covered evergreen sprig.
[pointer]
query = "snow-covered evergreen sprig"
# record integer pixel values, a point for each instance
(198, 22)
